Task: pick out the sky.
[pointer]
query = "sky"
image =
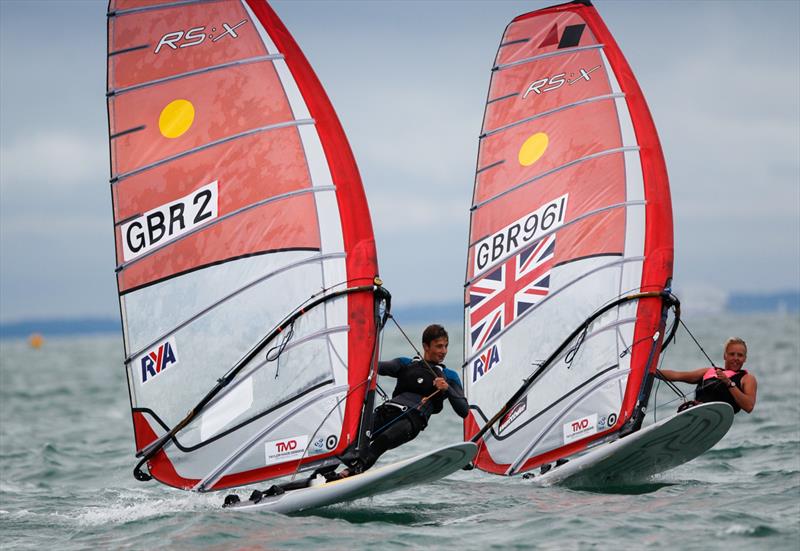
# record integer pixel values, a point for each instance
(409, 81)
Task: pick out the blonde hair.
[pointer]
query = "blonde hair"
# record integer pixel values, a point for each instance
(735, 340)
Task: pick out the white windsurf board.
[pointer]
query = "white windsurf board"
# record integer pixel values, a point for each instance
(651, 450)
(415, 470)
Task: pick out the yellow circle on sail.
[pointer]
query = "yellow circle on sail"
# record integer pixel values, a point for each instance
(176, 118)
(533, 148)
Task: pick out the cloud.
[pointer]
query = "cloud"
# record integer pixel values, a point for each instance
(726, 106)
(51, 161)
(54, 180)
(724, 96)
(411, 212)
(55, 226)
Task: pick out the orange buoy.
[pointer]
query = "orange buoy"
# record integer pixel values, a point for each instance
(36, 340)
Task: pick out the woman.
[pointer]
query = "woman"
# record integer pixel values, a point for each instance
(732, 384)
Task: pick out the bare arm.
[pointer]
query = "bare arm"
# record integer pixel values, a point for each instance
(692, 377)
(745, 395)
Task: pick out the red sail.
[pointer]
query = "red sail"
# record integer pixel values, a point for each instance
(236, 197)
(571, 210)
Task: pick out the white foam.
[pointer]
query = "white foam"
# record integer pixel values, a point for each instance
(135, 507)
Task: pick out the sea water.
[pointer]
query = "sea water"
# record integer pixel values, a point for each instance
(66, 456)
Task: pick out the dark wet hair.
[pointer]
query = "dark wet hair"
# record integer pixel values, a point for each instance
(433, 332)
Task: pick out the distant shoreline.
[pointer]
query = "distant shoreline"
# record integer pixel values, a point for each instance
(60, 327)
(445, 313)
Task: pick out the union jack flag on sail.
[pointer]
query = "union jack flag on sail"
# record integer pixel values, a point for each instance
(502, 295)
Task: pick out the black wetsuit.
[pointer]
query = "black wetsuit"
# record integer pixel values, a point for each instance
(400, 419)
(712, 390)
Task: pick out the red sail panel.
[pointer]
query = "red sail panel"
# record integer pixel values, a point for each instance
(565, 137)
(517, 92)
(179, 40)
(284, 167)
(603, 233)
(243, 235)
(552, 30)
(200, 109)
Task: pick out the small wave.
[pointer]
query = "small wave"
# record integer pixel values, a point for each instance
(743, 449)
(362, 515)
(633, 488)
(134, 507)
(759, 531)
(777, 472)
(32, 393)
(8, 486)
(729, 453)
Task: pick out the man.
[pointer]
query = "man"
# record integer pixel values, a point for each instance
(422, 386)
(732, 384)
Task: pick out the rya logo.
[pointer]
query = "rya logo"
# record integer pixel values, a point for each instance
(157, 360)
(196, 36)
(485, 362)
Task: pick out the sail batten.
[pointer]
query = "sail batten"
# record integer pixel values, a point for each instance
(175, 440)
(480, 273)
(546, 113)
(139, 86)
(566, 285)
(544, 56)
(523, 456)
(514, 187)
(218, 472)
(277, 126)
(236, 291)
(575, 393)
(569, 164)
(218, 220)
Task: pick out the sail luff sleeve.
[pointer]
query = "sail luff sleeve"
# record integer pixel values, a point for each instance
(356, 223)
(659, 247)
